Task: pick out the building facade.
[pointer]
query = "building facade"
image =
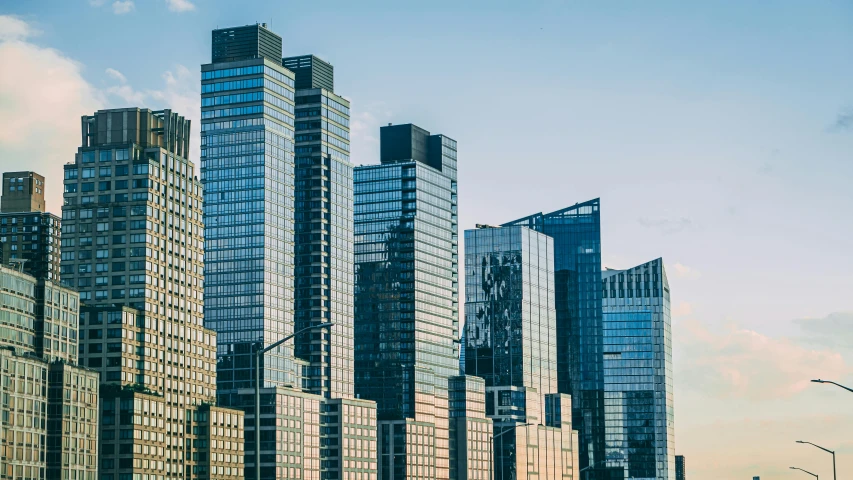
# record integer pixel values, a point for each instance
(510, 341)
(470, 430)
(28, 235)
(278, 253)
(406, 298)
(22, 192)
(680, 472)
(638, 395)
(49, 404)
(133, 240)
(323, 226)
(576, 231)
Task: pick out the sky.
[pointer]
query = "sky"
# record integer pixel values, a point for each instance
(718, 136)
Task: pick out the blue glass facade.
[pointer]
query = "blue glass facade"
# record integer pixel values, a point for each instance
(247, 170)
(576, 231)
(406, 305)
(638, 401)
(324, 241)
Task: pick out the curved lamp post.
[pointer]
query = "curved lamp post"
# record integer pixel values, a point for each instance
(810, 473)
(825, 450)
(509, 429)
(259, 354)
(836, 384)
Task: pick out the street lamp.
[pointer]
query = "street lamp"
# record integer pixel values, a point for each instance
(508, 429)
(825, 450)
(836, 384)
(810, 473)
(259, 354)
(592, 465)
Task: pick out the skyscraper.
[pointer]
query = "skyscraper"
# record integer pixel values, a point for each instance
(50, 405)
(680, 472)
(510, 341)
(279, 258)
(324, 229)
(406, 299)
(638, 396)
(29, 236)
(576, 231)
(133, 248)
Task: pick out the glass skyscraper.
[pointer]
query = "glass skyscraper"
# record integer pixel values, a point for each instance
(247, 170)
(638, 401)
(406, 297)
(510, 341)
(324, 229)
(576, 231)
(278, 258)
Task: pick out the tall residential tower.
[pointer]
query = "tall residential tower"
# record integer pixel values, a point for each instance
(638, 395)
(324, 229)
(278, 258)
(133, 240)
(406, 299)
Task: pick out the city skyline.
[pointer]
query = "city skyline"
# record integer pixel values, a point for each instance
(708, 173)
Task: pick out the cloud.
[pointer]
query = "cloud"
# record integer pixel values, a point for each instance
(116, 75)
(180, 5)
(180, 92)
(41, 102)
(364, 132)
(844, 120)
(667, 225)
(683, 271)
(833, 331)
(742, 363)
(121, 7)
(13, 28)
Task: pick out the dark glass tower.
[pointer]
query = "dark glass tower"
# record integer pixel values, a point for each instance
(638, 400)
(576, 231)
(311, 72)
(241, 43)
(324, 235)
(510, 341)
(680, 473)
(406, 299)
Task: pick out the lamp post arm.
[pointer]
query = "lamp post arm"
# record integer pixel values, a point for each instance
(836, 384)
(303, 330)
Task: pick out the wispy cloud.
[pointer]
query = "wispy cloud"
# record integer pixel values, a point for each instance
(667, 225)
(122, 7)
(13, 28)
(113, 73)
(180, 92)
(364, 132)
(683, 271)
(180, 5)
(834, 330)
(743, 363)
(844, 120)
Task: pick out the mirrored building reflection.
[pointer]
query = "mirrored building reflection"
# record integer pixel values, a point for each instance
(510, 341)
(406, 300)
(576, 231)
